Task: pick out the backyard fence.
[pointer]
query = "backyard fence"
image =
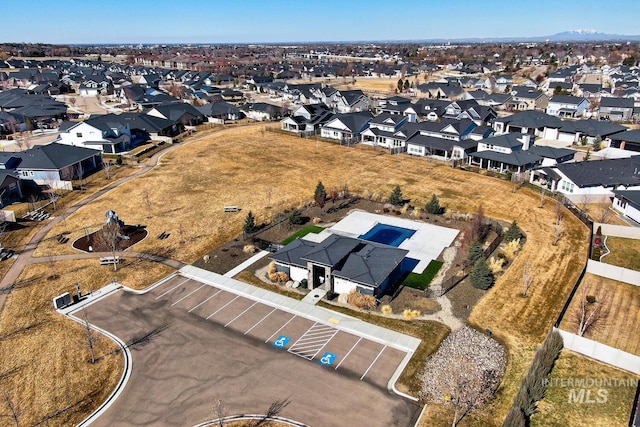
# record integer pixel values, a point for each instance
(602, 352)
(613, 272)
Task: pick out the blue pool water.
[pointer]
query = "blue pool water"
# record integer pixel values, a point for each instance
(387, 234)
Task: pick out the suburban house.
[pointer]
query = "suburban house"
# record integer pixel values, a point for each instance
(445, 140)
(626, 140)
(587, 131)
(306, 118)
(178, 112)
(567, 106)
(262, 111)
(56, 165)
(346, 127)
(348, 101)
(616, 109)
(506, 152)
(385, 131)
(591, 181)
(117, 133)
(501, 83)
(533, 122)
(627, 202)
(526, 98)
(220, 112)
(340, 264)
(10, 185)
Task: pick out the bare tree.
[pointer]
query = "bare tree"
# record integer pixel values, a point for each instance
(557, 233)
(592, 309)
(14, 411)
(79, 169)
(527, 279)
(559, 211)
(52, 178)
(274, 409)
(109, 238)
(147, 203)
(91, 338)
(107, 167)
(603, 213)
(542, 198)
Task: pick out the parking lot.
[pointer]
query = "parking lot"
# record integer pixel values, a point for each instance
(214, 342)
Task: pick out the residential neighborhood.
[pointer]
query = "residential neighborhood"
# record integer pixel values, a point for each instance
(432, 232)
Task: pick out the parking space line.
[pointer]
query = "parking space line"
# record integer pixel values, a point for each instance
(260, 321)
(374, 361)
(221, 308)
(280, 328)
(312, 341)
(174, 288)
(189, 294)
(348, 352)
(248, 308)
(204, 301)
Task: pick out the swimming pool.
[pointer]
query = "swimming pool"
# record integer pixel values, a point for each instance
(388, 234)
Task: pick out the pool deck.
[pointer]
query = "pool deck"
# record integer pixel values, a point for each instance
(426, 244)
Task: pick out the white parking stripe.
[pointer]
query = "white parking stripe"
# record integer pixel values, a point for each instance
(221, 308)
(174, 288)
(260, 321)
(280, 328)
(349, 352)
(204, 301)
(248, 308)
(374, 361)
(190, 293)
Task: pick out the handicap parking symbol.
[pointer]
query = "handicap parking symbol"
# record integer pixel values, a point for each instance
(327, 359)
(282, 341)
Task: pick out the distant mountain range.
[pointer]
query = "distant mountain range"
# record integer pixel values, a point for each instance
(565, 36)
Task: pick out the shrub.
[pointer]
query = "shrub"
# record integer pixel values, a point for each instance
(597, 252)
(396, 198)
(410, 314)
(386, 309)
(481, 276)
(591, 299)
(514, 232)
(512, 249)
(495, 265)
(475, 251)
(364, 302)
(249, 249)
(316, 220)
(433, 207)
(295, 217)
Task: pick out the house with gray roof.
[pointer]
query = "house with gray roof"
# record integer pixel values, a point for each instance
(616, 109)
(591, 181)
(533, 122)
(526, 98)
(346, 127)
(567, 106)
(56, 165)
(220, 112)
(587, 131)
(340, 264)
(629, 139)
(627, 202)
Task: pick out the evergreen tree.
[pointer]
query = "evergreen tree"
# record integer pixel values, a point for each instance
(320, 195)
(400, 85)
(396, 198)
(513, 232)
(295, 217)
(433, 207)
(475, 251)
(249, 223)
(481, 276)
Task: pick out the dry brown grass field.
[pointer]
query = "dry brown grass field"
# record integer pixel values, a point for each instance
(45, 356)
(248, 167)
(619, 328)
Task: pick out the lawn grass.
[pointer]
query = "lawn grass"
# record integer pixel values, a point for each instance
(619, 328)
(302, 232)
(625, 253)
(422, 280)
(556, 410)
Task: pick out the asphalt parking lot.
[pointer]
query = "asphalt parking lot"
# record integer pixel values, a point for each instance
(209, 343)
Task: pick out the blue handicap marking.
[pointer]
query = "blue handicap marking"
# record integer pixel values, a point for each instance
(327, 359)
(282, 341)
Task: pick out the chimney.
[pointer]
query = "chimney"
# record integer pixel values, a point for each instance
(526, 141)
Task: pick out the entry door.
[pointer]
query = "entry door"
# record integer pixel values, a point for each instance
(318, 276)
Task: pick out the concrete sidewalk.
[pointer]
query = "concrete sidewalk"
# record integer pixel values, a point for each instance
(246, 264)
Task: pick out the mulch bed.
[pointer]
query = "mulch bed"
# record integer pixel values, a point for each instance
(135, 232)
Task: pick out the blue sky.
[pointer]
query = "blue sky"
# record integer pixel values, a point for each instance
(255, 21)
